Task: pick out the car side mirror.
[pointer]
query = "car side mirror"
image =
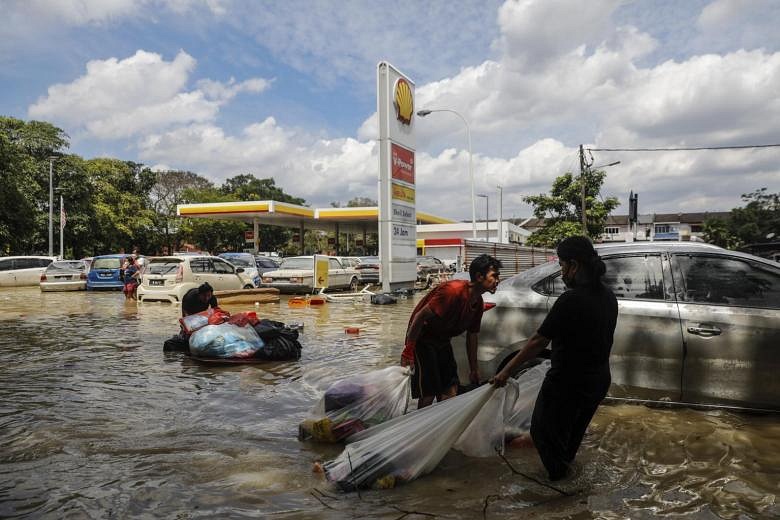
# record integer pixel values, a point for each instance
(239, 269)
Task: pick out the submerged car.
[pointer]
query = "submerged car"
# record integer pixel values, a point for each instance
(64, 275)
(697, 324)
(368, 267)
(296, 275)
(106, 272)
(168, 278)
(245, 261)
(18, 271)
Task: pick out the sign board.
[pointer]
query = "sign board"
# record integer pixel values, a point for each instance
(321, 268)
(397, 197)
(249, 236)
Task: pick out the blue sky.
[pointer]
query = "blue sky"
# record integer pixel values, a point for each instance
(287, 90)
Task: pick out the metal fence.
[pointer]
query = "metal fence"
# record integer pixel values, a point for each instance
(514, 258)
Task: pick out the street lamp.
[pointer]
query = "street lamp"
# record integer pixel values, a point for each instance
(487, 216)
(423, 113)
(51, 203)
(500, 214)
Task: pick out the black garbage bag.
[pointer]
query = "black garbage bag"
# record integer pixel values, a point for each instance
(383, 299)
(177, 343)
(281, 341)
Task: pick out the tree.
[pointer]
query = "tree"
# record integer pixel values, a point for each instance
(562, 208)
(166, 194)
(716, 231)
(756, 222)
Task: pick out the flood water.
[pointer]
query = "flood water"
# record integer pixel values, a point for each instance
(97, 422)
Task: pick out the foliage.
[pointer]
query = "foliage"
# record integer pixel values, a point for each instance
(562, 208)
(758, 221)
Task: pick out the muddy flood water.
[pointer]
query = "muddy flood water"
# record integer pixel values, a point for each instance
(97, 422)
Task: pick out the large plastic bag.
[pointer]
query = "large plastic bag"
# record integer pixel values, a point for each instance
(225, 341)
(353, 404)
(406, 447)
(520, 405)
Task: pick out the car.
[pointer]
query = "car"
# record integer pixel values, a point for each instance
(697, 324)
(368, 267)
(296, 275)
(64, 275)
(105, 272)
(16, 271)
(168, 278)
(266, 263)
(429, 268)
(247, 262)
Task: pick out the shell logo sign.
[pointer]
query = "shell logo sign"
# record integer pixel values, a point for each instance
(403, 101)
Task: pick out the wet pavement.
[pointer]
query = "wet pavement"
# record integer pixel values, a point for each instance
(97, 422)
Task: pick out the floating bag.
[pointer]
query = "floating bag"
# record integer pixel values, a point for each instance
(281, 341)
(211, 316)
(225, 341)
(357, 403)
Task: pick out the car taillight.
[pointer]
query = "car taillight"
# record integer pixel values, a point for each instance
(487, 306)
(179, 274)
(83, 276)
(43, 277)
(267, 279)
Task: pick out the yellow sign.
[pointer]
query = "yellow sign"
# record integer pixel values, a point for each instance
(403, 101)
(320, 271)
(403, 193)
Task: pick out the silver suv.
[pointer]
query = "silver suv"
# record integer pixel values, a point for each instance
(697, 324)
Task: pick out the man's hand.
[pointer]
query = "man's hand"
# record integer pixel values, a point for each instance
(499, 379)
(474, 376)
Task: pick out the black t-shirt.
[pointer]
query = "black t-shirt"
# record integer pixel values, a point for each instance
(191, 303)
(581, 325)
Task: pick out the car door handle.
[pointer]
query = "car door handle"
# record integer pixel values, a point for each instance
(708, 330)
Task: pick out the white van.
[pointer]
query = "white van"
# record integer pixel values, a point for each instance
(23, 270)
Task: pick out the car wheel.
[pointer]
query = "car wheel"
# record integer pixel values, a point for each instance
(353, 285)
(247, 286)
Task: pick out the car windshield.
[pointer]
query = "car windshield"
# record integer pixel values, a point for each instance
(106, 263)
(163, 266)
(239, 261)
(297, 263)
(76, 265)
(369, 259)
(529, 277)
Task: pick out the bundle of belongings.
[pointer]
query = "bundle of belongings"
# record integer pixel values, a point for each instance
(216, 334)
(476, 423)
(356, 403)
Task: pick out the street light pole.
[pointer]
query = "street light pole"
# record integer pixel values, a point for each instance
(423, 113)
(500, 214)
(62, 227)
(51, 205)
(487, 216)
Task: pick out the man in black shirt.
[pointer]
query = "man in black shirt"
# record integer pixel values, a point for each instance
(198, 299)
(581, 325)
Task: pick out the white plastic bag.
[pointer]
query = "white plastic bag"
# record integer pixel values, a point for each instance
(521, 398)
(357, 403)
(225, 341)
(406, 447)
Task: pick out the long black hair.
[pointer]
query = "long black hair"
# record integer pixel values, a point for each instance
(581, 249)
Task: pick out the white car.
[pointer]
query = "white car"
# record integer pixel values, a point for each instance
(65, 275)
(296, 275)
(23, 270)
(168, 278)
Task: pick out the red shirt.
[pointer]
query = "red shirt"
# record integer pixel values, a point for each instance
(454, 313)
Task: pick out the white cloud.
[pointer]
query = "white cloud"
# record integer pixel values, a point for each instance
(122, 98)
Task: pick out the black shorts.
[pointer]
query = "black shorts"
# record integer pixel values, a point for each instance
(435, 370)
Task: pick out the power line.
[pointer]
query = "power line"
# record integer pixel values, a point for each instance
(692, 149)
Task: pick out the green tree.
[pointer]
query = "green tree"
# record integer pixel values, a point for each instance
(716, 231)
(758, 218)
(166, 194)
(562, 208)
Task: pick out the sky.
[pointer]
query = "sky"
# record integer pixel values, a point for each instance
(288, 90)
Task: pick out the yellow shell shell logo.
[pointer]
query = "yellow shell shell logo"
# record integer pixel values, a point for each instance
(403, 101)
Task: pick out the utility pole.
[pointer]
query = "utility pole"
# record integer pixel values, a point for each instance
(500, 214)
(582, 181)
(62, 227)
(51, 204)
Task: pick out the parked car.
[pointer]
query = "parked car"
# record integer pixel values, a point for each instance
(22, 270)
(368, 267)
(429, 267)
(105, 272)
(64, 275)
(296, 275)
(247, 262)
(697, 324)
(266, 263)
(168, 278)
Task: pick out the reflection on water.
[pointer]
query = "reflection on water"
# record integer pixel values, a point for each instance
(96, 421)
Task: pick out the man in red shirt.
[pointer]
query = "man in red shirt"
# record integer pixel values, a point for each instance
(446, 311)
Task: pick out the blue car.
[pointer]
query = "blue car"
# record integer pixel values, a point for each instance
(104, 273)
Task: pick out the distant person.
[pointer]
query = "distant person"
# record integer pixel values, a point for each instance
(131, 275)
(446, 311)
(580, 325)
(198, 299)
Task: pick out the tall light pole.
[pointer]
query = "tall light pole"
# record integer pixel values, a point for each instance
(500, 214)
(487, 216)
(584, 166)
(423, 113)
(51, 204)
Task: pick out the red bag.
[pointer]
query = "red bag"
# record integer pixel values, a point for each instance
(242, 319)
(218, 316)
